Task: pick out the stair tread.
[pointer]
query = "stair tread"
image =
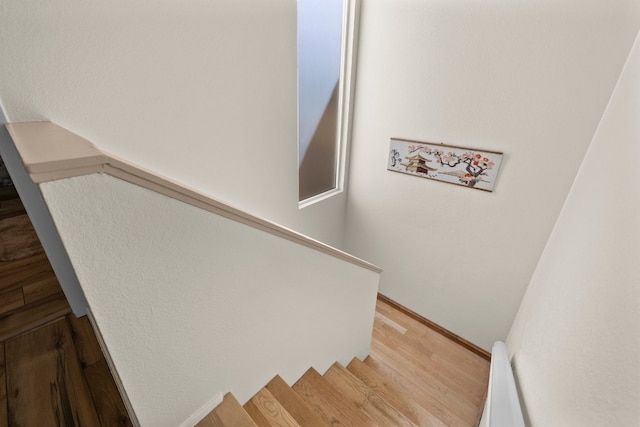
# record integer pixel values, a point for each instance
(294, 403)
(228, 414)
(256, 415)
(266, 411)
(325, 400)
(394, 395)
(211, 420)
(364, 398)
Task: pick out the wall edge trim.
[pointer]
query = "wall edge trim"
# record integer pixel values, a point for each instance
(112, 367)
(204, 410)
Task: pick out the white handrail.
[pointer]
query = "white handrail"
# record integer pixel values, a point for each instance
(502, 408)
(50, 152)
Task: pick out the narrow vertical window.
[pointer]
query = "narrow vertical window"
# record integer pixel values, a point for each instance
(321, 94)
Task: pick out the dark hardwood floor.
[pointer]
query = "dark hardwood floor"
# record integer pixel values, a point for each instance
(52, 370)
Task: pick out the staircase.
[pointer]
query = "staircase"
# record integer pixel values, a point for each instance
(413, 377)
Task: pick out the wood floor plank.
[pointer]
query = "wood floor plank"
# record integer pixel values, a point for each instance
(294, 404)
(10, 300)
(448, 357)
(6, 266)
(275, 414)
(29, 317)
(428, 381)
(84, 338)
(11, 208)
(25, 275)
(40, 289)
(468, 369)
(425, 399)
(361, 396)
(326, 402)
(443, 374)
(394, 395)
(106, 398)
(437, 342)
(232, 414)
(4, 420)
(45, 382)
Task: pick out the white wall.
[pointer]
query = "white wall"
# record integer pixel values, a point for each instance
(191, 304)
(576, 339)
(203, 92)
(531, 79)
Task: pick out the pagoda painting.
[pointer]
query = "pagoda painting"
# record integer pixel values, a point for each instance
(417, 164)
(455, 165)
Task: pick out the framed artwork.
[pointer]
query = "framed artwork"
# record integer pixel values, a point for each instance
(456, 165)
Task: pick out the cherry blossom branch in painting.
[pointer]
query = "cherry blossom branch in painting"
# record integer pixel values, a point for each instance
(475, 167)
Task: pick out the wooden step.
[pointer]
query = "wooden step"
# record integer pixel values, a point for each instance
(266, 411)
(256, 415)
(326, 401)
(360, 395)
(413, 377)
(394, 395)
(294, 404)
(228, 414)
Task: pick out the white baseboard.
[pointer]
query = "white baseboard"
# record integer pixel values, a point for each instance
(114, 373)
(203, 411)
(189, 422)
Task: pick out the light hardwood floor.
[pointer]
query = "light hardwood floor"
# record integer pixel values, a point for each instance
(448, 381)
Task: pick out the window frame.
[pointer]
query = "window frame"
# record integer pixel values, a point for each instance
(350, 27)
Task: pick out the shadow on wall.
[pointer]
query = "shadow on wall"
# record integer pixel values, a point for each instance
(318, 168)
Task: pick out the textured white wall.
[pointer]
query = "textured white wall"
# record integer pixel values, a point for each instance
(576, 338)
(202, 92)
(191, 304)
(531, 79)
